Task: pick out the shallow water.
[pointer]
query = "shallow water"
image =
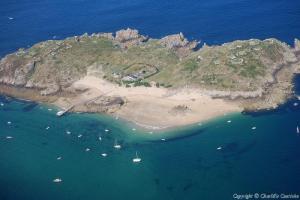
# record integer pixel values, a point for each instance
(260, 160)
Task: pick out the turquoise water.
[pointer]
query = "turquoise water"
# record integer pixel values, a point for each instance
(185, 166)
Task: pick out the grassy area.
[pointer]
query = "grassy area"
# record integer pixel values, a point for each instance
(240, 65)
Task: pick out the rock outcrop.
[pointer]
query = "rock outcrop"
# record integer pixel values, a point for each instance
(129, 37)
(179, 43)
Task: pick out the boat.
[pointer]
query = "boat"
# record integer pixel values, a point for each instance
(219, 148)
(79, 136)
(87, 149)
(229, 121)
(298, 131)
(47, 127)
(10, 18)
(1, 104)
(99, 138)
(60, 113)
(253, 128)
(59, 158)
(137, 159)
(57, 180)
(103, 154)
(295, 104)
(133, 129)
(9, 137)
(106, 130)
(163, 139)
(116, 145)
(9, 123)
(68, 132)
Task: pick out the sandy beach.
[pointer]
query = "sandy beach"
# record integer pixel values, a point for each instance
(152, 107)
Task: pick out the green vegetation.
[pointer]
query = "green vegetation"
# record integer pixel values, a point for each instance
(240, 65)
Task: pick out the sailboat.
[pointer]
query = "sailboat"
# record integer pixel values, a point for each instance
(57, 180)
(137, 159)
(116, 145)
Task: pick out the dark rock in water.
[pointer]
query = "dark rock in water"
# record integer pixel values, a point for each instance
(29, 107)
(157, 181)
(188, 186)
(170, 188)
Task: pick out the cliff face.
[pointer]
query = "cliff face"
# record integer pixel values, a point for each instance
(249, 69)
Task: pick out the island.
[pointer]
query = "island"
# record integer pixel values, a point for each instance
(155, 83)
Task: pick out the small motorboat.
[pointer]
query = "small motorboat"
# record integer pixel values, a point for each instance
(229, 121)
(47, 127)
(1, 104)
(219, 148)
(116, 145)
(253, 128)
(298, 131)
(106, 130)
(137, 159)
(103, 154)
(59, 158)
(163, 139)
(10, 18)
(57, 180)
(79, 136)
(60, 113)
(68, 132)
(9, 137)
(87, 149)
(99, 138)
(9, 123)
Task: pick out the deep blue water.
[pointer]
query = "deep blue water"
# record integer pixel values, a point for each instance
(185, 166)
(213, 21)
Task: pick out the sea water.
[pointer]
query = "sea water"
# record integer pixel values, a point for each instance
(213, 160)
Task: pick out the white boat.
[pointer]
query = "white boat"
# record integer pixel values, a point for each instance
(103, 154)
(163, 139)
(87, 149)
(106, 130)
(59, 158)
(116, 145)
(219, 148)
(253, 128)
(99, 138)
(229, 121)
(60, 113)
(295, 104)
(9, 123)
(68, 132)
(49, 109)
(57, 180)
(137, 159)
(79, 136)
(47, 127)
(133, 129)
(1, 104)
(10, 18)
(298, 131)
(9, 137)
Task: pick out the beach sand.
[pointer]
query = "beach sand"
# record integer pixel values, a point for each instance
(152, 107)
